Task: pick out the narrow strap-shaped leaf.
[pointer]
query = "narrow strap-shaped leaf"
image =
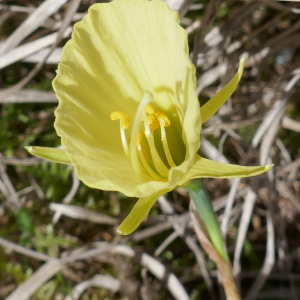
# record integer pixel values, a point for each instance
(139, 212)
(211, 107)
(205, 168)
(53, 154)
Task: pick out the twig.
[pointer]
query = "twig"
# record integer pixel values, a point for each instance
(22, 250)
(159, 270)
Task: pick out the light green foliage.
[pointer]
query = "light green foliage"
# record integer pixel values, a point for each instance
(17, 272)
(21, 124)
(252, 256)
(57, 285)
(182, 260)
(46, 291)
(46, 241)
(168, 255)
(25, 225)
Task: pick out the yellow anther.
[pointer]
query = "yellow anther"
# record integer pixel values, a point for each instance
(161, 116)
(154, 126)
(151, 118)
(150, 109)
(120, 115)
(158, 115)
(139, 138)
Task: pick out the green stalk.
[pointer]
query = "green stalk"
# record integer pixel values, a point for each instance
(209, 235)
(207, 215)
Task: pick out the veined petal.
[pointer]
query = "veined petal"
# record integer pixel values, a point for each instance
(188, 110)
(211, 107)
(139, 212)
(117, 52)
(53, 154)
(205, 168)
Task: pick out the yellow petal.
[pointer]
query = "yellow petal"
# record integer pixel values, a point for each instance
(205, 168)
(52, 154)
(211, 107)
(139, 212)
(190, 119)
(117, 52)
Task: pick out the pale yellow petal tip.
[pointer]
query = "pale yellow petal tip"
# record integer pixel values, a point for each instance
(269, 167)
(29, 148)
(242, 61)
(242, 65)
(120, 232)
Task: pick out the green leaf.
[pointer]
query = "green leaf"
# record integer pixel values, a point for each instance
(53, 154)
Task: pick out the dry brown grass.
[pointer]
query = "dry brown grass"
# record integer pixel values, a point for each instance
(260, 124)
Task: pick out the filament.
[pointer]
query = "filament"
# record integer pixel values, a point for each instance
(165, 143)
(146, 165)
(124, 142)
(134, 157)
(135, 152)
(158, 163)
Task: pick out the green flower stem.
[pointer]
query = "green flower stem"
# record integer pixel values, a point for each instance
(209, 235)
(207, 215)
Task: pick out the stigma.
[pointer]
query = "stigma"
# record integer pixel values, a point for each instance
(150, 164)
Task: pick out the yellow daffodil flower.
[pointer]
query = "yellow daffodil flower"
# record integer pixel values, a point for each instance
(128, 115)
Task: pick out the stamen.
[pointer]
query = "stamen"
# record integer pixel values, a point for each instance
(124, 123)
(154, 126)
(165, 143)
(120, 115)
(139, 138)
(139, 143)
(145, 153)
(146, 165)
(156, 120)
(156, 116)
(151, 119)
(160, 115)
(158, 163)
(135, 152)
(124, 142)
(150, 109)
